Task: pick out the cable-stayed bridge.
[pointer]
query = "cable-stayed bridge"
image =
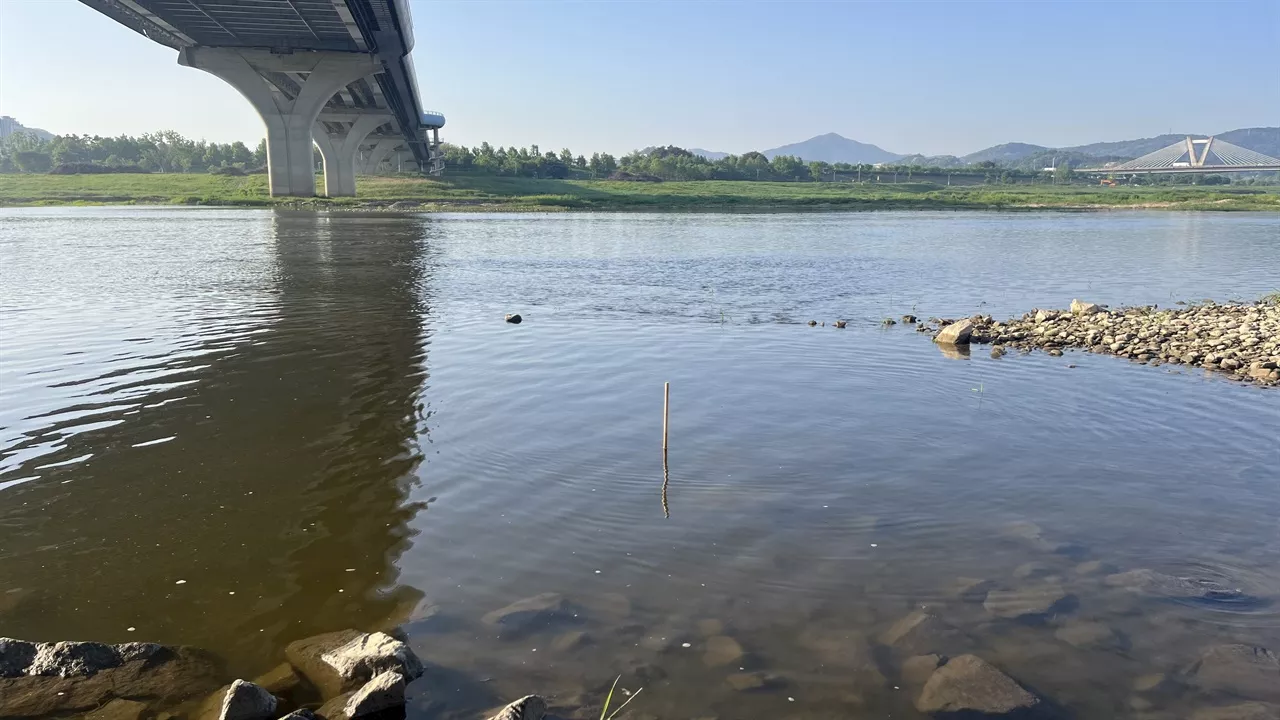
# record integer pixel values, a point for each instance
(1193, 155)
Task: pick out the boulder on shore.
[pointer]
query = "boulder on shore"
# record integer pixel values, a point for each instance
(342, 661)
(1079, 307)
(957, 333)
(968, 684)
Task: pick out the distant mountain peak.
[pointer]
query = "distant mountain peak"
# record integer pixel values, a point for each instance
(834, 148)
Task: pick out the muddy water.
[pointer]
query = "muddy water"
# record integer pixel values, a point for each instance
(237, 428)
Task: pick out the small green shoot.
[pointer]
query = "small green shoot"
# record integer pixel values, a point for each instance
(604, 713)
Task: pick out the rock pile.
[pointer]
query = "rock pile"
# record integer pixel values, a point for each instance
(337, 676)
(1242, 340)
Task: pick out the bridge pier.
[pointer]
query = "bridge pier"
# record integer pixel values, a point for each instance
(381, 150)
(289, 113)
(339, 151)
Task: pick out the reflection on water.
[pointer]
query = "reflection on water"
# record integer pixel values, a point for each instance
(291, 424)
(242, 400)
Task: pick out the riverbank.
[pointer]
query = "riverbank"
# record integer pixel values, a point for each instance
(1239, 340)
(474, 193)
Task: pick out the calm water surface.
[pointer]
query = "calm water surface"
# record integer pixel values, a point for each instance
(321, 421)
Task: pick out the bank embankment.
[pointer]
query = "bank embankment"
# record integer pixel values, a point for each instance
(480, 193)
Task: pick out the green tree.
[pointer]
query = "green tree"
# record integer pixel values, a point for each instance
(33, 161)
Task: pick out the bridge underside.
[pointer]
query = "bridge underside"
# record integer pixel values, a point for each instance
(333, 73)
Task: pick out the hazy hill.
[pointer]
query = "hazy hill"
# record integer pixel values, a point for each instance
(834, 148)
(43, 135)
(709, 154)
(1006, 154)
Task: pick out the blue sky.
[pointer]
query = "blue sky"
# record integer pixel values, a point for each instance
(930, 77)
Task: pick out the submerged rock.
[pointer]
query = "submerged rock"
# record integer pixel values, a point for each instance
(119, 710)
(748, 681)
(1241, 711)
(721, 650)
(531, 613)
(529, 707)
(1022, 602)
(1159, 584)
(921, 633)
(1246, 670)
(968, 684)
(1087, 634)
(917, 670)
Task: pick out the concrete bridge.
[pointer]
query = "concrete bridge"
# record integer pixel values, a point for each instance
(333, 73)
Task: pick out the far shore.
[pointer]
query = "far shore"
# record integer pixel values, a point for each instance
(476, 193)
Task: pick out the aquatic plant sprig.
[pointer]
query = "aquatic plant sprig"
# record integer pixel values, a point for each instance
(604, 712)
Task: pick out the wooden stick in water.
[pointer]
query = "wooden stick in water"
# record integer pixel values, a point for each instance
(666, 409)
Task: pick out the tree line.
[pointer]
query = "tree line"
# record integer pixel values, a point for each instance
(164, 151)
(170, 152)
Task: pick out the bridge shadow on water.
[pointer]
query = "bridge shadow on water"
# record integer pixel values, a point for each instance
(281, 505)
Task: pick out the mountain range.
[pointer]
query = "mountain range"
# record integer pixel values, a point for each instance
(835, 148)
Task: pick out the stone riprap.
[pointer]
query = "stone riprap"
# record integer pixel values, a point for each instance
(1241, 341)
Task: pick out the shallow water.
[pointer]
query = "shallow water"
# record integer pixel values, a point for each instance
(321, 421)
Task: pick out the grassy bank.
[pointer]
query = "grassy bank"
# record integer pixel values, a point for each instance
(473, 192)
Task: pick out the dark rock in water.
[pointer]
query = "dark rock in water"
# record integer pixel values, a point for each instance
(345, 660)
(840, 323)
(888, 321)
(119, 710)
(908, 318)
(383, 692)
(1245, 670)
(1242, 711)
(246, 701)
(997, 351)
(529, 707)
(1159, 584)
(968, 684)
(922, 633)
(70, 659)
(531, 612)
(514, 319)
(813, 323)
(15, 657)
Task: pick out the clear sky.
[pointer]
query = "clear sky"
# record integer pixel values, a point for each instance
(929, 77)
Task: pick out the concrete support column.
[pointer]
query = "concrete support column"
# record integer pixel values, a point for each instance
(339, 152)
(288, 120)
(379, 153)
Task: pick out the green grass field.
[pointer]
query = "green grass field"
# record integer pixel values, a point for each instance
(474, 192)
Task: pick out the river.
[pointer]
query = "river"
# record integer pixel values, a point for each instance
(237, 428)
